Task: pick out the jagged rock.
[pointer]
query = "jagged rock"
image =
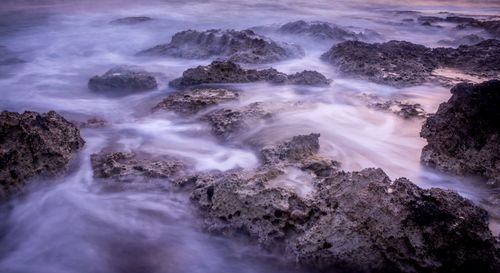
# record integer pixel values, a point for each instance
(192, 101)
(324, 31)
(227, 121)
(482, 58)
(349, 221)
(123, 78)
(93, 122)
(402, 63)
(464, 135)
(33, 144)
(403, 109)
(470, 39)
(230, 72)
(123, 166)
(395, 62)
(131, 20)
(239, 46)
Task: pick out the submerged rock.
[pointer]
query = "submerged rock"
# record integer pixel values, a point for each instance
(230, 72)
(403, 109)
(122, 166)
(354, 221)
(132, 20)
(192, 101)
(395, 63)
(464, 135)
(239, 46)
(470, 39)
(123, 78)
(34, 144)
(327, 31)
(225, 122)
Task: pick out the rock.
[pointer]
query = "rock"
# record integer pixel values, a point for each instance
(482, 58)
(319, 30)
(93, 122)
(192, 101)
(123, 78)
(403, 109)
(239, 46)
(464, 135)
(131, 20)
(492, 26)
(230, 72)
(308, 77)
(227, 121)
(470, 39)
(33, 144)
(298, 148)
(122, 166)
(404, 64)
(349, 221)
(395, 63)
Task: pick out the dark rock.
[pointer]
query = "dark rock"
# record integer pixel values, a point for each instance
(227, 121)
(464, 135)
(308, 77)
(403, 109)
(123, 78)
(396, 63)
(470, 39)
(131, 20)
(298, 148)
(482, 58)
(230, 72)
(403, 64)
(319, 30)
(355, 221)
(33, 144)
(239, 46)
(122, 166)
(192, 101)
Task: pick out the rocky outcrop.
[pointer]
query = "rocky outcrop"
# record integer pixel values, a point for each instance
(347, 221)
(326, 31)
(123, 78)
(239, 46)
(132, 20)
(121, 166)
(33, 144)
(470, 39)
(230, 72)
(480, 59)
(225, 122)
(401, 64)
(464, 135)
(395, 63)
(192, 101)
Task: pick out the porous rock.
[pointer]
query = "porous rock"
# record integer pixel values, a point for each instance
(123, 78)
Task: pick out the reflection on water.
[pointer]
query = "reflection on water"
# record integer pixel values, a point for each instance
(76, 224)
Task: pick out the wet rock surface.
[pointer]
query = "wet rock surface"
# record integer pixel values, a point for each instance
(193, 101)
(403, 109)
(326, 31)
(123, 78)
(355, 221)
(126, 166)
(230, 72)
(225, 122)
(34, 144)
(396, 62)
(132, 20)
(470, 39)
(480, 59)
(402, 64)
(464, 135)
(239, 46)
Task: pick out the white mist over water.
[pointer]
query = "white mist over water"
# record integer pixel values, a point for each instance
(77, 224)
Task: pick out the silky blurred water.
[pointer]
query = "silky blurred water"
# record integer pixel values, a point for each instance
(77, 224)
